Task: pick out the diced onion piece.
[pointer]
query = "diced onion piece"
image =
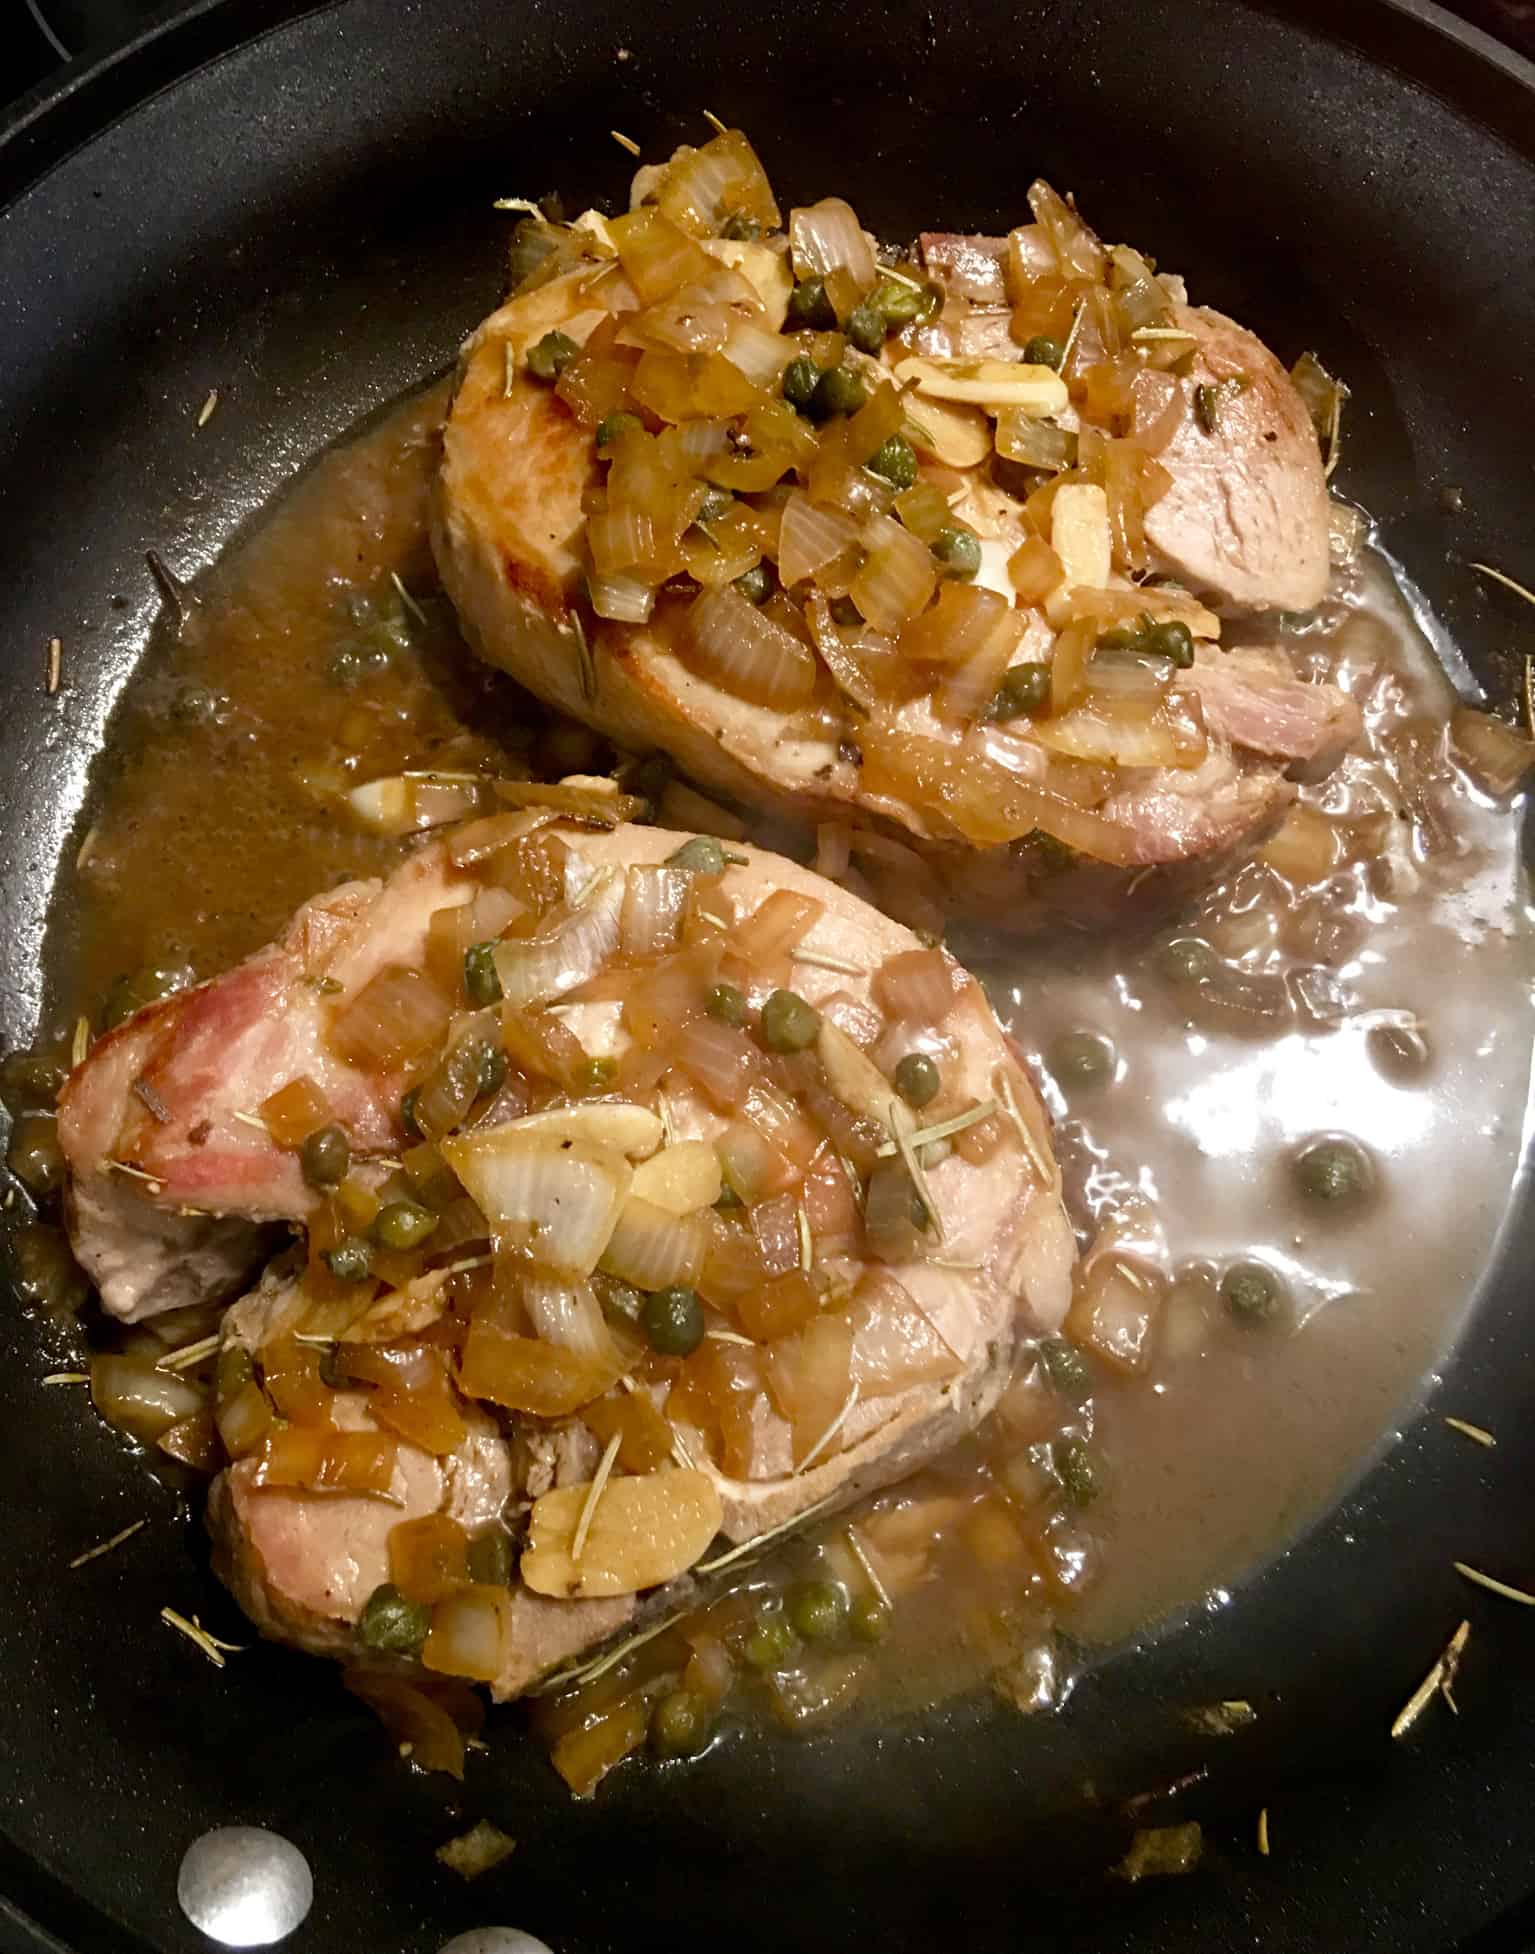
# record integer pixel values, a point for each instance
(323, 1460)
(568, 1315)
(136, 1397)
(625, 599)
(700, 188)
(243, 1421)
(657, 257)
(645, 1438)
(1158, 409)
(779, 923)
(776, 1115)
(759, 354)
(633, 1130)
(527, 1374)
(428, 1557)
(1125, 732)
(680, 1179)
(1034, 570)
(917, 987)
(826, 238)
(897, 577)
(1080, 534)
(403, 804)
(811, 537)
(1033, 441)
(567, 1192)
(751, 1164)
(780, 1307)
(590, 797)
(471, 1634)
(969, 687)
(890, 1209)
(535, 969)
(992, 384)
(986, 802)
(924, 510)
(295, 1111)
(731, 642)
(396, 1016)
(430, 1419)
(719, 1057)
(1133, 482)
(1078, 254)
(411, 1717)
(654, 1249)
(957, 628)
(809, 1374)
(894, 1344)
(1496, 755)
(1114, 1308)
(654, 900)
(684, 321)
(643, 1531)
(775, 1223)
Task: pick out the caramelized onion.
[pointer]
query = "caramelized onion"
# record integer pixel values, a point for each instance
(731, 642)
(826, 239)
(567, 1191)
(567, 1314)
(654, 900)
(811, 537)
(654, 1249)
(535, 969)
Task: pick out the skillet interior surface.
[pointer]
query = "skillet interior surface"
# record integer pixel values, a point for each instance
(304, 223)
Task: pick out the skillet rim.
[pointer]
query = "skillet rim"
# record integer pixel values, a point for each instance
(68, 110)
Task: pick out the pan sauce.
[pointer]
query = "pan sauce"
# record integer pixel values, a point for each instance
(1393, 1006)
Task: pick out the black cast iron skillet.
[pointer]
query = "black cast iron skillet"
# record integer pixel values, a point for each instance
(292, 205)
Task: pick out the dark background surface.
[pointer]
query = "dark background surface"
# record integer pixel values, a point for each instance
(1372, 1847)
(36, 34)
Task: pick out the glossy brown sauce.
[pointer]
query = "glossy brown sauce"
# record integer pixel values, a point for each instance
(1391, 1004)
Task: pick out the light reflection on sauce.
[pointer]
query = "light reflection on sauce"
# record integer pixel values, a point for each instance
(206, 834)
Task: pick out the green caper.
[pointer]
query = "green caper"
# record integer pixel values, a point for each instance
(492, 1068)
(29, 1079)
(44, 1272)
(403, 1224)
(1334, 1171)
(818, 1610)
(679, 1724)
(140, 987)
(917, 1079)
(1082, 1058)
(1077, 1471)
(902, 304)
(701, 855)
(866, 327)
(673, 1321)
(1042, 350)
(870, 1619)
(726, 1003)
(1187, 959)
(1024, 688)
(896, 461)
(1066, 1368)
(596, 1074)
(325, 1156)
(351, 1260)
(810, 307)
(800, 378)
(1122, 637)
(838, 391)
(1252, 1293)
(1172, 639)
(740, 228)
(613, 427)
(35, 1156)
(789, 1024)
(233, 1370)
(758, 583)
(408, 1105)
(548, 359)
(393, 1624)
(770, 1643)
(717, 502)
(482, 985)
(958, 550)
(490, 1558)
